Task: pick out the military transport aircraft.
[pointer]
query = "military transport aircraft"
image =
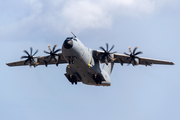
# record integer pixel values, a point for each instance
(84, 64)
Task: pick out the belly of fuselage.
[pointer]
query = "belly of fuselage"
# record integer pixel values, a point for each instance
(82, 71)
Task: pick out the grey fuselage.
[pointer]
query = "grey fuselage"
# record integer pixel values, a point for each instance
(83, 65)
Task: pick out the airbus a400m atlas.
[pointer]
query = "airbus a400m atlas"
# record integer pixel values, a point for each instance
(84, 64)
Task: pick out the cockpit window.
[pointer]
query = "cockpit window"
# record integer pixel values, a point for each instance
(75, 39)
(69, 38)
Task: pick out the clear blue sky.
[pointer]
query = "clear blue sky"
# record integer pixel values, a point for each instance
(136, 93)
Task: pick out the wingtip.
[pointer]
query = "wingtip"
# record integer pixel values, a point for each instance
(7, 64)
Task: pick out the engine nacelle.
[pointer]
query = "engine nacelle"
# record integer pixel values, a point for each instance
(34, 62)
(137, 61)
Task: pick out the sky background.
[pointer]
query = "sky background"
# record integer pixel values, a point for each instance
(136, 93)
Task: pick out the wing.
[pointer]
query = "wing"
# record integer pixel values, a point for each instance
(45, 60)
(121, 58)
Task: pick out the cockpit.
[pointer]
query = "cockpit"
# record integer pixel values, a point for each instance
(69, 38)
(68, 43)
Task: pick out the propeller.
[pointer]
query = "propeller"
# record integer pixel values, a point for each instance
(30, 57)
(52, 52)
(107, 53)
(132, 55)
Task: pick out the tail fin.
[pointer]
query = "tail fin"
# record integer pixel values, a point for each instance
(108, 68)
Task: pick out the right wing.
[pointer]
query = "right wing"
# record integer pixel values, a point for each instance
(120, 58)
(40, 61)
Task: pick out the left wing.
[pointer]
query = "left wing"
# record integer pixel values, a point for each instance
(45, 60)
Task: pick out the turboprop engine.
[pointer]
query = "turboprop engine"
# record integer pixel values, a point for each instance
(133, 56)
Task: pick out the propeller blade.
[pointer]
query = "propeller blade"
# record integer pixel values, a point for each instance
(26, 52)
(35, 52)
(129, 50)
(134, 61)
(107, 46)
(50, 59)
(128, 58)
(126, 53)
(46, 52)
(129, 62)
(54, 47)
(25, 61)
(32, 58)
(57, 50)
(134, 50)
(55, 59)
(138, 53)
(106, 60)
(31, 50)
(102, 49)
(56, 54)
(29, 61)
(111, 48)
(24, 57)
(49, 48)
(103, 56)
(109, 56)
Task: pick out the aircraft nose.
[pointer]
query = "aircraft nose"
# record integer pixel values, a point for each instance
(68, 44)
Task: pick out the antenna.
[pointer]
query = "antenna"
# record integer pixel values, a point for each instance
(73, 34)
